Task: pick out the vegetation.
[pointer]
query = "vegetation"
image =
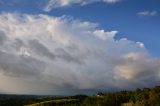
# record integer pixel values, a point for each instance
(65, 102)
(139, 97)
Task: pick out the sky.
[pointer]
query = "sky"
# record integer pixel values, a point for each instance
(66, 47)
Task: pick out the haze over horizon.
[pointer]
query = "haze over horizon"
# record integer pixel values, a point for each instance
(68, 47)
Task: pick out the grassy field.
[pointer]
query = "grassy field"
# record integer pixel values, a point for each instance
(128, 104)
(55, 102)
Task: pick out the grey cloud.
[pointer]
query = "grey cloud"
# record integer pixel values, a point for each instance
(17, 44)
(3, 38)
(40, 49)
(59, 53)
(18, 66)
(63, 54)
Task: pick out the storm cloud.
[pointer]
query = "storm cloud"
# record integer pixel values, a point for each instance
(41, 54)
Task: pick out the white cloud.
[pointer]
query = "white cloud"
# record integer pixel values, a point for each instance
(134, 65)
(105, 35)
(138, 68)
(63, 3)
(147, 13)
(68, 56)
(140, 44)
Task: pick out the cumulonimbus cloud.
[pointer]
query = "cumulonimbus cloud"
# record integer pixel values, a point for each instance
(63, 3)
(41, 54)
